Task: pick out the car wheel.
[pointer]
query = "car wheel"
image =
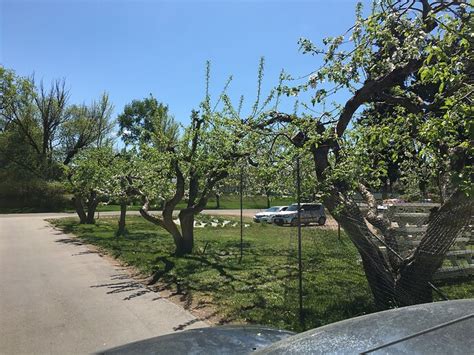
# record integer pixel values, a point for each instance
(294, 222)
(278, 222)
(322, 221)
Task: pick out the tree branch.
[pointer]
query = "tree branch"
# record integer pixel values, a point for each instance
(369, 90)
(170, 205)
(405, 102)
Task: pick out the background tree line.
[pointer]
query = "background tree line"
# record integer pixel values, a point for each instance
(41, 133)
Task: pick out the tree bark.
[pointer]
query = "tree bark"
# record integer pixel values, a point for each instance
(186, 218)
(121, 222)
(79, 207)
(91, 207)
(166, 221)
(376, 267)
(218, 201)
(385, 190)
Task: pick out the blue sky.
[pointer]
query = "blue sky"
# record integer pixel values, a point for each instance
(133, 48)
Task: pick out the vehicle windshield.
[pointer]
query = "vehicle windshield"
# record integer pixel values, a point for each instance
(292, 208)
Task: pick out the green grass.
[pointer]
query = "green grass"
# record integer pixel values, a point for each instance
(262, 289)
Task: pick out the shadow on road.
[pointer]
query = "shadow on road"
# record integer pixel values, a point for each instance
(73, 241)
(123, 283)
(135, 287)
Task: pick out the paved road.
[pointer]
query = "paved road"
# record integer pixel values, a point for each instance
(58, 297)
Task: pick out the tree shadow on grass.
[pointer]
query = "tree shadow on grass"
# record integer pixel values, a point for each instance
(195, 320)
(157, 275)
(234, 279)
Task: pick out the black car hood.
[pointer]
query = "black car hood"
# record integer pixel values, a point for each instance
(431, 328)
(213, 340)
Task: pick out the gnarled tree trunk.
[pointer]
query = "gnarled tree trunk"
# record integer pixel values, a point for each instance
(86, 216)
(79, 207)
(92, 204)
(186, 219)
(395, 281)
(376, 266)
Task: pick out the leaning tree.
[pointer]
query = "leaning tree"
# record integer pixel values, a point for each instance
(385, 60)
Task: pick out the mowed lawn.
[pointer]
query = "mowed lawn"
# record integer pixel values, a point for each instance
(262, 288)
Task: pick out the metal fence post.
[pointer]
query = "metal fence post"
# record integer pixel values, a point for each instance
(300, 264)
(241, 214)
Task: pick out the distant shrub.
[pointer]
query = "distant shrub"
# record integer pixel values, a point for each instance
(33, 195)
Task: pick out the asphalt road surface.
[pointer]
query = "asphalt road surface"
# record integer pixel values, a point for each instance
(59, 297)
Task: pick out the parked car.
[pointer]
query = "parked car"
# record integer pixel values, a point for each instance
(310, 213)
(266, 216)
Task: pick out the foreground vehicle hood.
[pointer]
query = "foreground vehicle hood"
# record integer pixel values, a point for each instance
(431, 328)
(213, 340)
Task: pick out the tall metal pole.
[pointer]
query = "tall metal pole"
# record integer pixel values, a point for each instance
(241, 213)
(300, 265)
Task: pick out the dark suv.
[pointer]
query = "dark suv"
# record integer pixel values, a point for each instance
(310, 213)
